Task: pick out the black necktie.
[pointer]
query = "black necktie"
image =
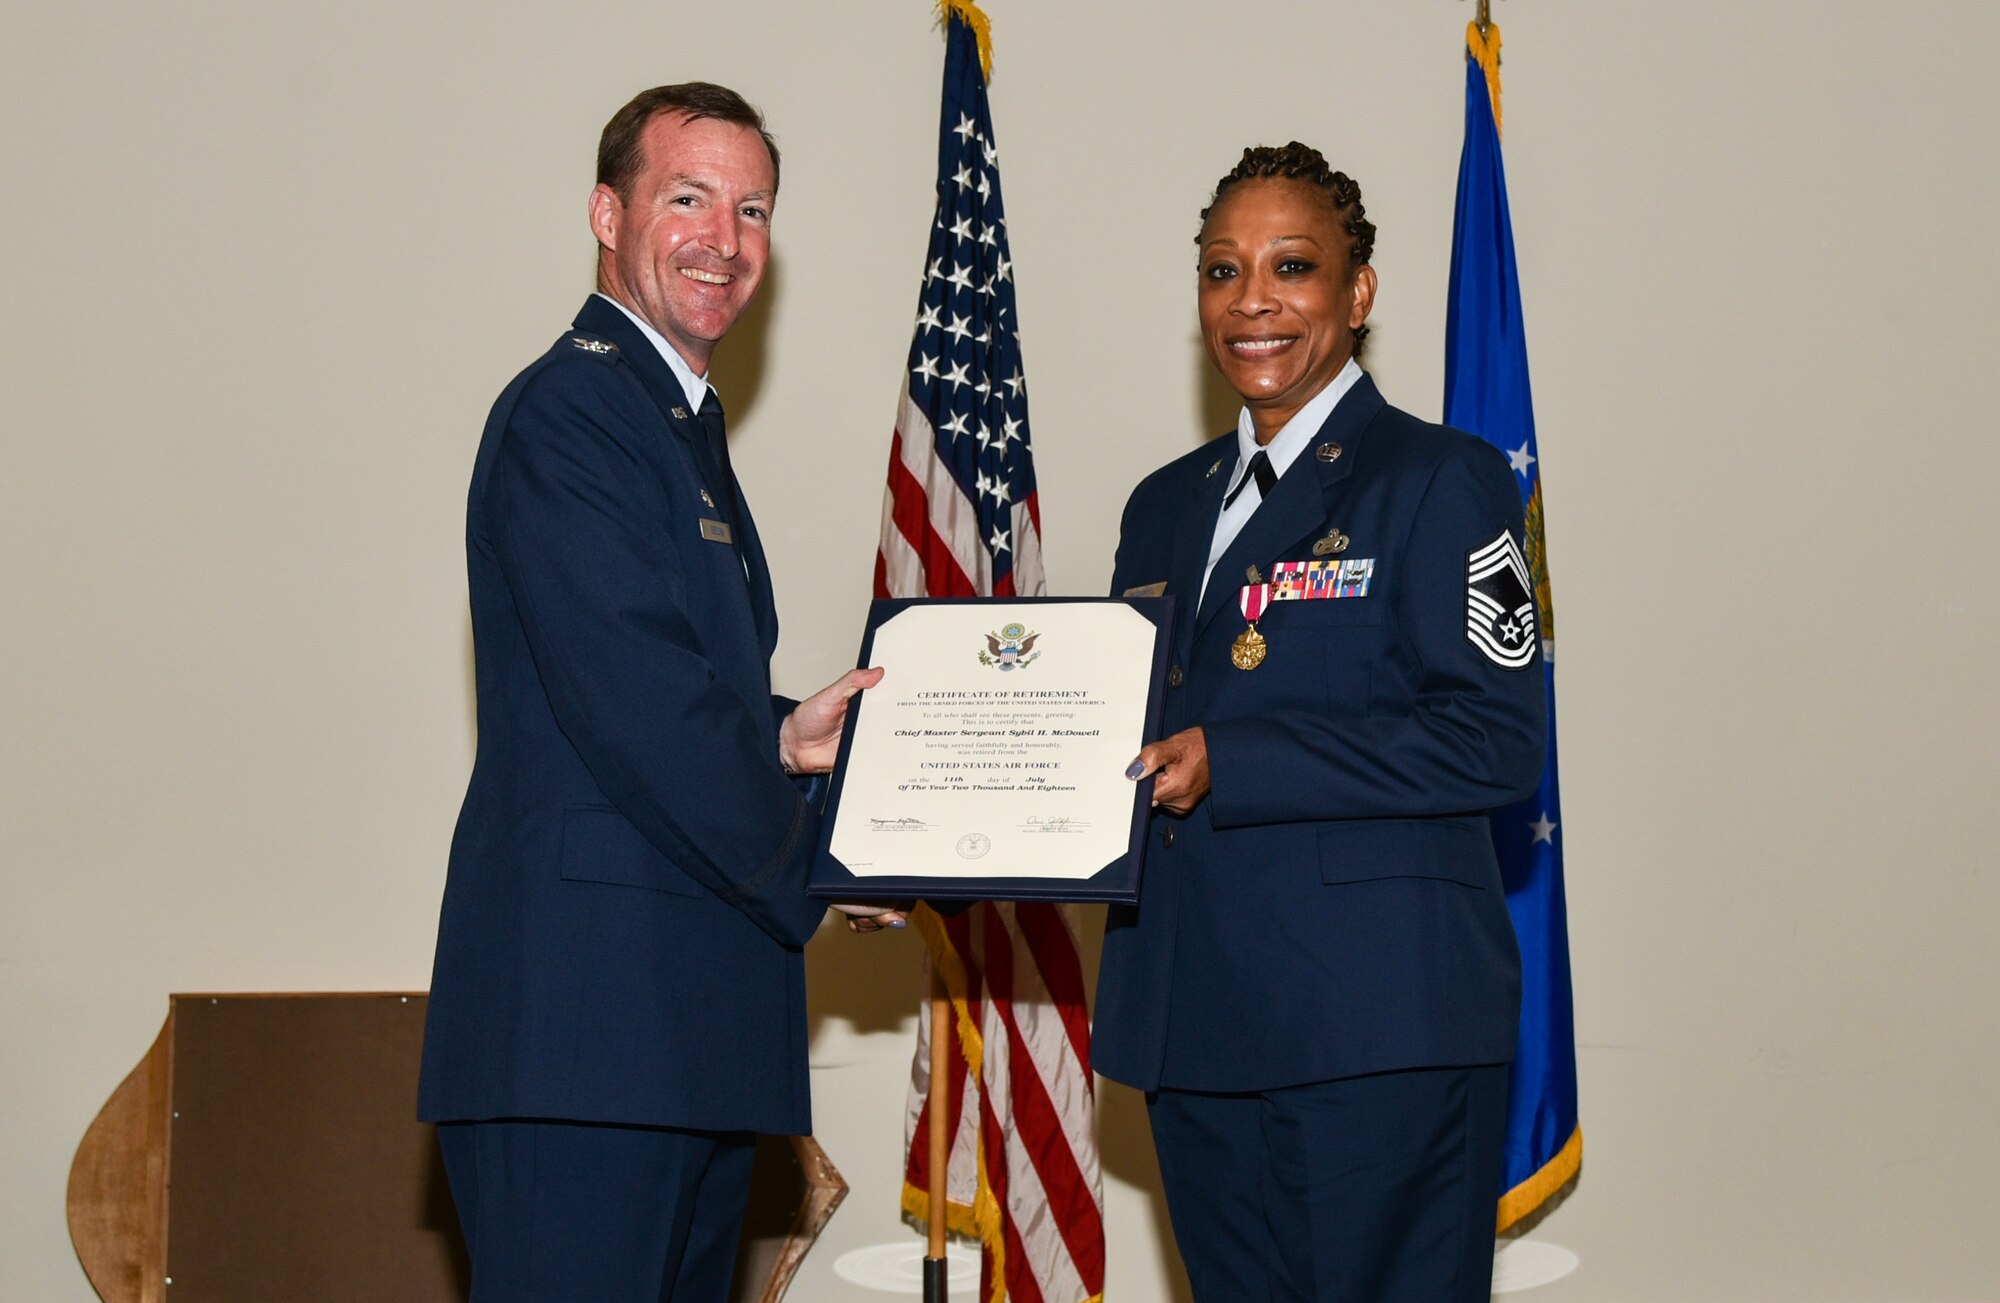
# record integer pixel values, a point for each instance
(718, 448)
(1259, 470)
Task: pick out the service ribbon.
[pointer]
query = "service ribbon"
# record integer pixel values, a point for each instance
(1288, 580)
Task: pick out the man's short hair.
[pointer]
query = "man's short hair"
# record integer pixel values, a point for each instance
(621, 150)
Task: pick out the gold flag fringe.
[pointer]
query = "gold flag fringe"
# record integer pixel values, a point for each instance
(982, 29)
(984, 1219)
(1485, 48)
(1541, 1186)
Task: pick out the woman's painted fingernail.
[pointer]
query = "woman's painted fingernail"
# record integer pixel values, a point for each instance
(1136, 768)
(899, 923)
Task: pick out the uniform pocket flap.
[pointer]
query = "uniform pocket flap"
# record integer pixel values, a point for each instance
(1457, 849)
(601, 845)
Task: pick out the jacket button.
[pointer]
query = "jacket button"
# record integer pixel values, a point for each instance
(1175, 678)
(1167, 835)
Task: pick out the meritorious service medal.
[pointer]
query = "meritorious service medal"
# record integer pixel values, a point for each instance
(1248, 651)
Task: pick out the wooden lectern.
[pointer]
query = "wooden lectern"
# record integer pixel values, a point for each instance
(267, 1147)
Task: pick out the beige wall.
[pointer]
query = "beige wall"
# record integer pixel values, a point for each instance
(266, 265)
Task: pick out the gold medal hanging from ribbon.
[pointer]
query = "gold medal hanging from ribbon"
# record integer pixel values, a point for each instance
(1248, 651)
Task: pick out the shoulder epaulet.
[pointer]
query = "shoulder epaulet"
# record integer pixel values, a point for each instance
(603, 348)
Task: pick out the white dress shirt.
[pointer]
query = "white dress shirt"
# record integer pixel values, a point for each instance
(694, 386)
(1283, 450)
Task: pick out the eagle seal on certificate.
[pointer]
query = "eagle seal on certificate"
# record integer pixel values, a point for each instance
(1013, 647)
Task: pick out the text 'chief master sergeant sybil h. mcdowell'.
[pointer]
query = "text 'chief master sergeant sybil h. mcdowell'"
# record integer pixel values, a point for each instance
(618, 1002)
(1319, 985)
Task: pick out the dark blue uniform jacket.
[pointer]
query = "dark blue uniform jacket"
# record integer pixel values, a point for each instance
(1333, 907)
(623, 919)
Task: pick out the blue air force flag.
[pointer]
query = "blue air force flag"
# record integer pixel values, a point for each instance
(1486, 393)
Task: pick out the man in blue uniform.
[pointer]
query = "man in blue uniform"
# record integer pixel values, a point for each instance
(618, 1002)
(1319, 985)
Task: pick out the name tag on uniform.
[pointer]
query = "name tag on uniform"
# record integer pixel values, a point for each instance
(715, 531)
(1148, 590)
(1305, 581)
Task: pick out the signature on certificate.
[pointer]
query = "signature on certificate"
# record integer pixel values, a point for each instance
(1054, 823)
(898, 825)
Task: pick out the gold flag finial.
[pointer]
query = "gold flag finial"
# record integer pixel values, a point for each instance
(982, 29)
(1482, 43)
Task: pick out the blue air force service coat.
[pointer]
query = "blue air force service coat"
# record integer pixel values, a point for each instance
(624, 913)
(1333, 907)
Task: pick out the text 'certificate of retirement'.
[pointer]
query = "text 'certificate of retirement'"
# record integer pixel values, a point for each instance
(990, 761)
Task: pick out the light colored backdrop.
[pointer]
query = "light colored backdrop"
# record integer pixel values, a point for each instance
(267, 265)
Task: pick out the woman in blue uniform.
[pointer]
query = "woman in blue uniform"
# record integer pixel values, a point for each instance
(1319, 986)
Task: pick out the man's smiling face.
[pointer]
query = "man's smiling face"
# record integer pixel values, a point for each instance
(686, 247)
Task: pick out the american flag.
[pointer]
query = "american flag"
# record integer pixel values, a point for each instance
(960, 519)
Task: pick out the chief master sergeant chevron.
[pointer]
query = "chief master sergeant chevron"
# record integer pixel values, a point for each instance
(618, 1002)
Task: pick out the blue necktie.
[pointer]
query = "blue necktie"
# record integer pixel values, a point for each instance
(718, 449)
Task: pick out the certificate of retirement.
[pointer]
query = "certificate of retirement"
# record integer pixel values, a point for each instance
(990, 761)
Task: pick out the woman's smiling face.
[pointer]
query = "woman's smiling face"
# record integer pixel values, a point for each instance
(1278, 303)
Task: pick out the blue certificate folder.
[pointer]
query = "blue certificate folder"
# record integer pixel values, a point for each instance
(1116, 881)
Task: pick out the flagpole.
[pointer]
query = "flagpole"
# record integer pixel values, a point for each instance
(961, 518)
(935, 1274)
(1487, 394)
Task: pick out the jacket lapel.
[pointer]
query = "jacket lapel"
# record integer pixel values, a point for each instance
(601, 318)
(763, 602)
(1195, 532)
(1297, 505)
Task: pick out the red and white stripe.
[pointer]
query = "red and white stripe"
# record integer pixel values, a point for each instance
(1023, 1173)
(1016, 978)
(930, 529)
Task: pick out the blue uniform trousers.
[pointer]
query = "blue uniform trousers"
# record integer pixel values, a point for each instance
(562, 1212)
(1375, 1189)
